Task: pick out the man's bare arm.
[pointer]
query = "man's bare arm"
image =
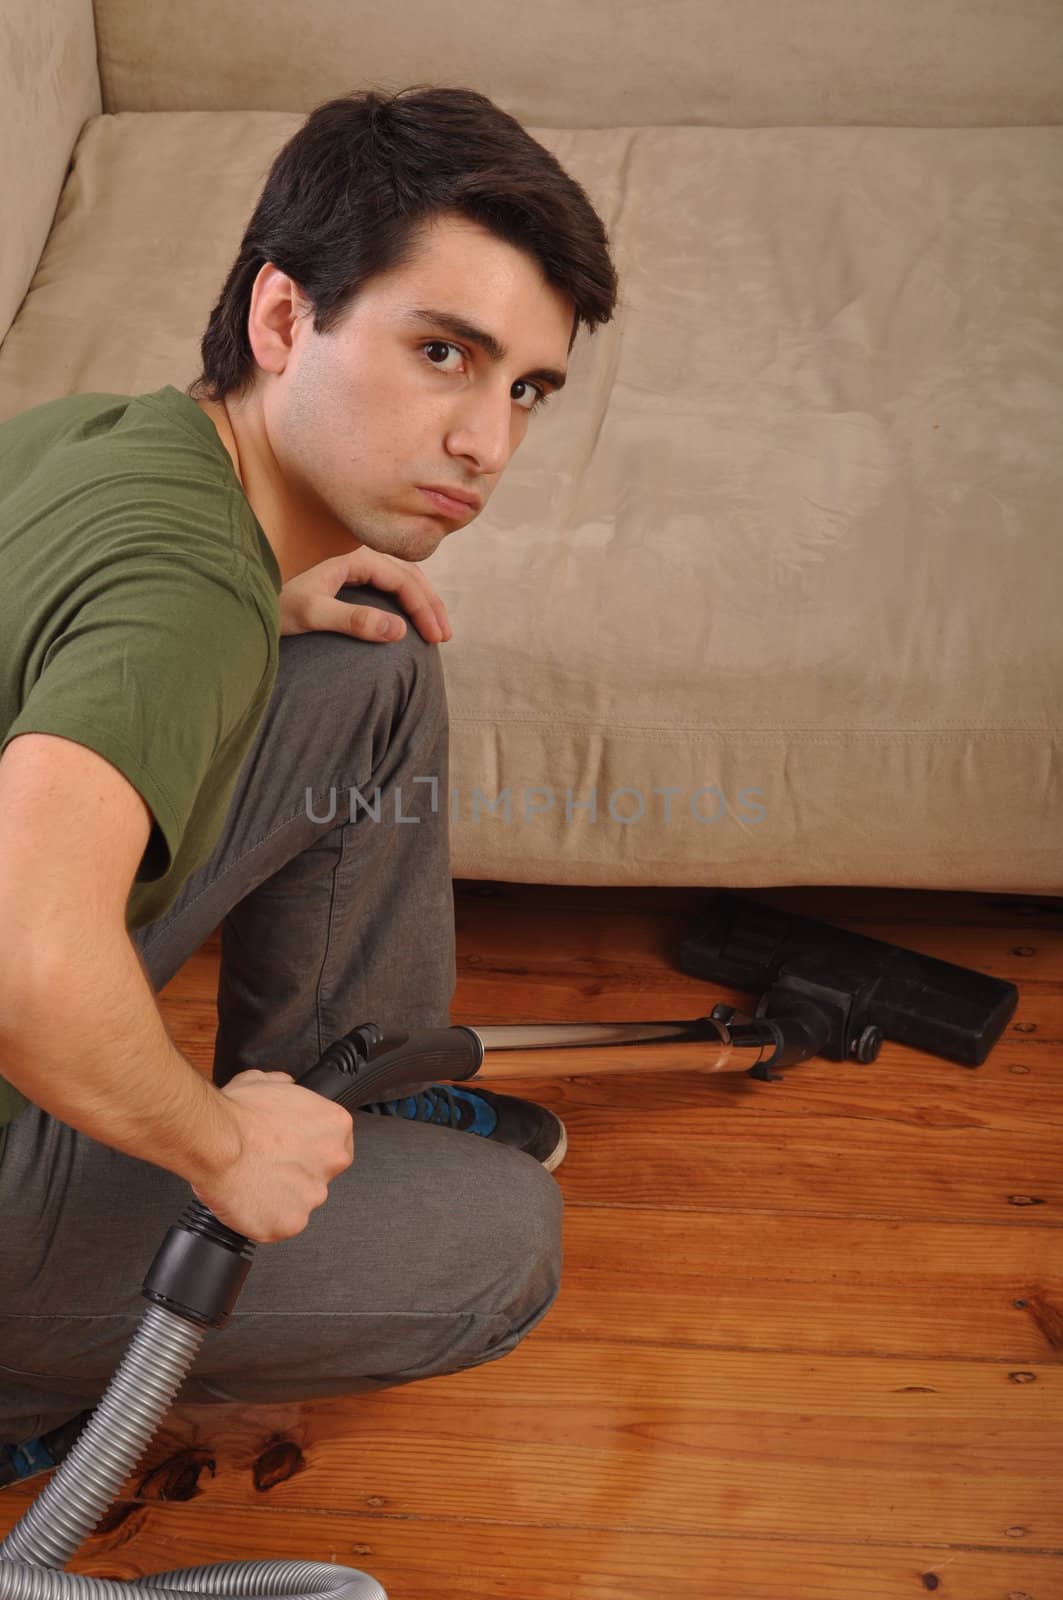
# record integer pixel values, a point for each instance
(80, 1032)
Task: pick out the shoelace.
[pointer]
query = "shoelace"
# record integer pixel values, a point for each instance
(433, 1105)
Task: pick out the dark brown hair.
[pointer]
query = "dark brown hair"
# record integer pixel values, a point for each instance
(349, 195)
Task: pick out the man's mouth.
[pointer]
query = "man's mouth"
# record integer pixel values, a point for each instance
(452, 506)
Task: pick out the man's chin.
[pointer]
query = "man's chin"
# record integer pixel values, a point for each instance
(428, 543)
(419, 541)
(407, 538)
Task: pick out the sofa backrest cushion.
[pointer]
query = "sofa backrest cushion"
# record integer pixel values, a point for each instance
(49, 86)
(599, 64)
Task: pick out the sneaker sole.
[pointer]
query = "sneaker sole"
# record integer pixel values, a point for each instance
(557, 1155)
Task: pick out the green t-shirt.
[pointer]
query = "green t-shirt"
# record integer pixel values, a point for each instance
(138, 614)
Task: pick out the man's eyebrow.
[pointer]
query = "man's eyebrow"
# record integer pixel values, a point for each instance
(450, 322)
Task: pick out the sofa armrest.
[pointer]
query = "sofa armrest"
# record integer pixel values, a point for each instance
(49, 86)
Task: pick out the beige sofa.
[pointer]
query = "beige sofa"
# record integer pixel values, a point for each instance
(778, 582)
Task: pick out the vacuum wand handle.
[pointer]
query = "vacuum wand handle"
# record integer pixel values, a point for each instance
(371, 1063)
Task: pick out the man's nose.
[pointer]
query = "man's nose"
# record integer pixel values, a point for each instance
(484, 433)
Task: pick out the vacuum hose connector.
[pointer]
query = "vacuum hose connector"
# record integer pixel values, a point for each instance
(795, 1031)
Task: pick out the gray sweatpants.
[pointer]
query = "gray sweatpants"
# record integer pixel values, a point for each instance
(436, 1250)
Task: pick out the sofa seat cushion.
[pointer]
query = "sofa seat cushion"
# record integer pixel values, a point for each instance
(772, 593)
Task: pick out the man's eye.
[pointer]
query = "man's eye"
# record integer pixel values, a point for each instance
(440, 344)
(541, 395)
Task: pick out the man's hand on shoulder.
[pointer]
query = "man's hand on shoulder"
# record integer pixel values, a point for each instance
(308, 602)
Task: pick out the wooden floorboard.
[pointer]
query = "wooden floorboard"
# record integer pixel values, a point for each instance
(808, 1344)
(466, 1559)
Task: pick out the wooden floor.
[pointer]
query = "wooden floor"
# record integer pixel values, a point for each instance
(808, 1344)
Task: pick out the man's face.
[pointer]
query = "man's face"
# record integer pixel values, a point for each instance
(363, 418)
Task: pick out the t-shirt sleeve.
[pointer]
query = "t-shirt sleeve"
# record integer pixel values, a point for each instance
(159, 671)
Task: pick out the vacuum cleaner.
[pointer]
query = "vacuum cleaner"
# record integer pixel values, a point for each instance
(823, 992)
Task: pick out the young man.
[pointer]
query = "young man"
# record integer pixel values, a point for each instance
(193, 662)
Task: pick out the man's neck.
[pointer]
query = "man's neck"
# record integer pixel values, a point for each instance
(298, 539)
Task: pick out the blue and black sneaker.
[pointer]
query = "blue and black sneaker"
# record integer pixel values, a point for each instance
(21, 1461)
(501, 1117)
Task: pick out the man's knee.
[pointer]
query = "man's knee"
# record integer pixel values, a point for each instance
(412, 660)
(345, 709)
(524, 1239)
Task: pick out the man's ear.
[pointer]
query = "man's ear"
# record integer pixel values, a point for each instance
(277, 306)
